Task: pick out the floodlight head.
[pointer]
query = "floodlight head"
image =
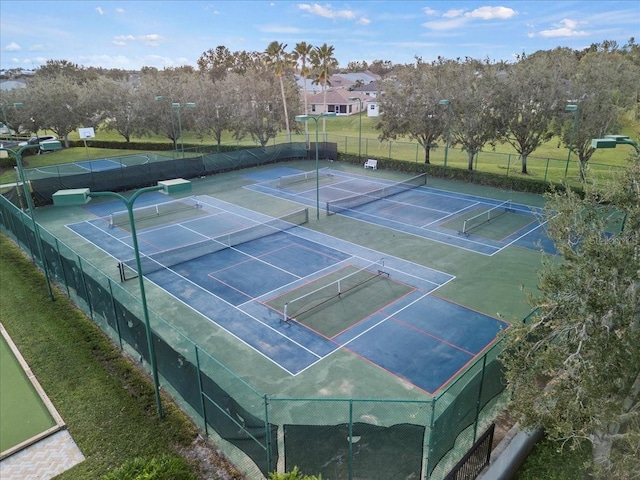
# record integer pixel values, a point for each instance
(175, 105)
(302, 118)
(328, 114)
(444, 101)
(190, 105)
(352, 99)
(71, 197)
(18, 105)
(571, 108)
(159, 97)
(617, 138)
(603, 143)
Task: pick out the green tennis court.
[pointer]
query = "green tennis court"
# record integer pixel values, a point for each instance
(24, 413)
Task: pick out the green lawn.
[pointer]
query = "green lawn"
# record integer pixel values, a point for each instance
(108, 405)
(347, 130)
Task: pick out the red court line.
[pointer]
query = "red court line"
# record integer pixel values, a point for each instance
(435, 337)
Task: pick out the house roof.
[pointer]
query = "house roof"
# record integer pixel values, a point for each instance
(334, 96)
(369, 87)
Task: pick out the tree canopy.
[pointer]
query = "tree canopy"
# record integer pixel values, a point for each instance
(574, 368)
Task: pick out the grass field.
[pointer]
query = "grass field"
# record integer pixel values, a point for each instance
(346, 131)
(108, 405)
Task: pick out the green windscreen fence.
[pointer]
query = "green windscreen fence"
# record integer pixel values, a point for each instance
(135, 171)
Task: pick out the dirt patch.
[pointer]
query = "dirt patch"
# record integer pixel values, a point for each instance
(504, 422)
(210, 462)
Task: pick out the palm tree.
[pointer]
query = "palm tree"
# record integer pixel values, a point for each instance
(322, 61)
(301, 54)
(279, 60)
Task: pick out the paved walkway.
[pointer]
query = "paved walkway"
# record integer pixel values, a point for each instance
(43, 460)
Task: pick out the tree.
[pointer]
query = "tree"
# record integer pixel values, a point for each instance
(410, 107)
(323, 61)
(217, 63)
(216, 106)
(473, 89)
(603, 86)
(280, 61)
(527, 101)
(123, 114)
(302, 57)
(55, 103)
(574, 368)
(258, 106)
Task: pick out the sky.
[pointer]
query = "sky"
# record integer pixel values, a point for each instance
(130, 34)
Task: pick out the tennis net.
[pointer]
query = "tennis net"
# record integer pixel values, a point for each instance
(175, 256)
(484, 217)
(316, 298)
(360, 199)
(153, 211)
(296, 178)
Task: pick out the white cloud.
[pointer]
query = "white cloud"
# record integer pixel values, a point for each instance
(151, 40)
(440, 25)
(457, 18)
(119, 10)
(566, 28)
(364, 21)
(12, 47)
(489, 13)
(453, 13)
(36, 48)
(429, 11)
(327, 11)
(100, 11)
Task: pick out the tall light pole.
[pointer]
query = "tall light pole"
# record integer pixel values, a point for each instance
(351, 99)
(449, 115)
(160, 98)
(574, 109)
(4, 115)
(81, 196)
(315, 118)
(178, 107)
(17, 154)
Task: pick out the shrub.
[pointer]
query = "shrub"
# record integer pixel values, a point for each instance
(163, 467)
(295, 474)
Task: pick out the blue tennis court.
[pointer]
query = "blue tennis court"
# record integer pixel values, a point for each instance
(437, 215)
(234, 266)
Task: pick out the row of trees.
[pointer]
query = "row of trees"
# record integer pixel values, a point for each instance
(479, 104)
(475, 104)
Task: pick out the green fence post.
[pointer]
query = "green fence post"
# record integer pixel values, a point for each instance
(201, 391)
(64, 274)
(546, 170)
(478, 401)
(430, 446)
(84, 287)
(350, 439)
(267, 432)
(115, 313)
(508, 165)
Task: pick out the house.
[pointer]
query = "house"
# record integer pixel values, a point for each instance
(337, 101)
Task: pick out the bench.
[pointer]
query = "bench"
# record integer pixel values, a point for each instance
(371, 163)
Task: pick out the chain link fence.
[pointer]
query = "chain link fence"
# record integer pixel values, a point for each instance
(338, 438)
